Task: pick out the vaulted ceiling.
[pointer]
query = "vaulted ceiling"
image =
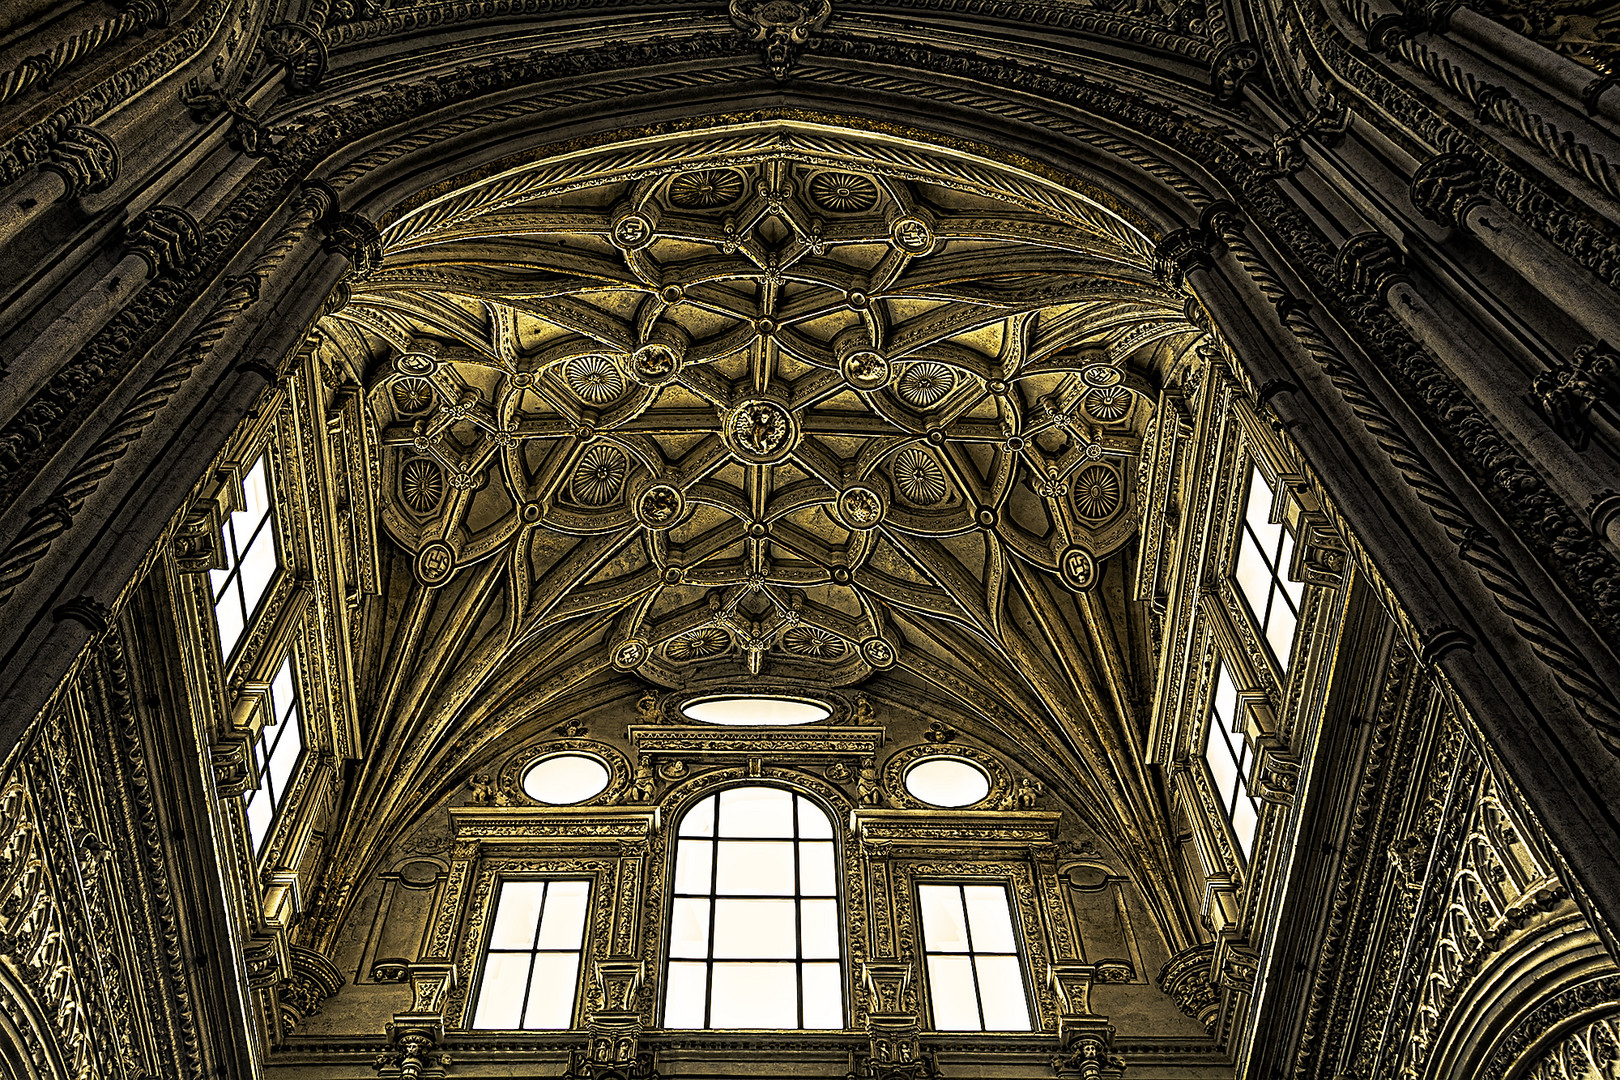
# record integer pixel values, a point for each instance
(766, 409)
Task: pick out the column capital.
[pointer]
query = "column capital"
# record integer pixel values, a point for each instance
(166, 237)
(1446, 186)
(85, 159)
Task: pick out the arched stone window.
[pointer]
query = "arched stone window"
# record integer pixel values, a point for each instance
(755, 936)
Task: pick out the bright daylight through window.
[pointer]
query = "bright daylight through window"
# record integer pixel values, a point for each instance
(1265, 549)
(251, 562)
(1228, 757)
(754, 927)
(531, 974)
(275, 754)
(975, 982)
(748, 711)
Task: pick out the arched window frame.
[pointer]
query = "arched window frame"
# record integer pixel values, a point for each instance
(784, 780)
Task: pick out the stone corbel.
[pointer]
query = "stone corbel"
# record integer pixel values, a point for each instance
(1188, 980)
(1319, 554)
(311, 981)
(613, 1050)
(265, 958)
(1235, 965)
(1087, 1049)
(416, 1035)
(893, 1033)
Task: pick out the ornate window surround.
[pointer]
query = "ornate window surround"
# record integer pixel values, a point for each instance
(622, 840)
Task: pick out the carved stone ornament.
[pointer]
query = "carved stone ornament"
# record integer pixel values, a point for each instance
(85, 159)
(300, 52)
(166, 237)
(760, 431)
(782, 26)
(1189, 980)
(1569, 392)
(1445, 186)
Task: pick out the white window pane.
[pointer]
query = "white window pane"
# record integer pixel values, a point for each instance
(260, 812)
(500, 994)
(1280, 632)
(1294, 589)
(282, 697)
(563, 923)
(754, 869)
(255, 496)
(689, 929)
(517, 913)
(818, 929)
(1253, 578)
(754, 929)
(813, 821)
(228, 614)
(756, 811)
(1221, 767)
(816, 875)
(259, 568)
(1001, 993)
(551, 991)
(694, 861)
(989, 919)
(823, 996)
(284, 757)
(1244, 821)
(684, 996)
(699, 821)
(943, 928)
(1258, 512)
(950, 992)
(754, 996)
(1225, 698)
(217, 579)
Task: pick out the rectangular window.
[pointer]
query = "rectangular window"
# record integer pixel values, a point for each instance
(1265, 549)
(1227, 754)
(975, 980)
(531, 973)
(251, 558)
(275, 754)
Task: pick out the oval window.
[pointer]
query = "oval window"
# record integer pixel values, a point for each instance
(751, 711)
(565, 778)
(947, 782)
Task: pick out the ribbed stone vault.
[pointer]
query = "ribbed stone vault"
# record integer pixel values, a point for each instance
(769, 409)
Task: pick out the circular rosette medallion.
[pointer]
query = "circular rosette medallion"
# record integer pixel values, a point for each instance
(859, 507)
(865, 369)
(660, 506)
(655, 364)
(633, 231)
(418, 364)
(760, 431)
(878, 653)
(434, 563)
(1078, 568)
(629, 654)
(912, 235)
(1099, 375)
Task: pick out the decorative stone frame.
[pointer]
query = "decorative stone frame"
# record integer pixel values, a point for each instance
(481, 913)
(895, 768)
(509, 780)
(1035, 962)
(851, 896)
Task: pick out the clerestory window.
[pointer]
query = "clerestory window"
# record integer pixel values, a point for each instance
(531, 968)
(754, 938)
(276, 753)
(251, 558)
(1265, 549)
(975, 978)
(1227, 753)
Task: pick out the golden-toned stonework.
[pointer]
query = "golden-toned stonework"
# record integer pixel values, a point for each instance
(965, 538)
